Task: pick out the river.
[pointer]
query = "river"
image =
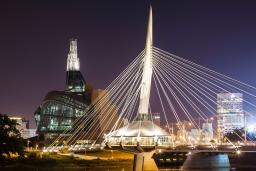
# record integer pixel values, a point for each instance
(108, 169)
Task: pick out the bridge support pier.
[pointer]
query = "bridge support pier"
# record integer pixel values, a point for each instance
(206, 161)
(144, 162)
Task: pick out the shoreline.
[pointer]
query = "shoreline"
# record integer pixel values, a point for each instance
(57, 161)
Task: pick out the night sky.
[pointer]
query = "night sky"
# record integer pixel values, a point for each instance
(35, 37)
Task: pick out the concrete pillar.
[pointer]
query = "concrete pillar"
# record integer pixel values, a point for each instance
(206, 161)
(144, 162)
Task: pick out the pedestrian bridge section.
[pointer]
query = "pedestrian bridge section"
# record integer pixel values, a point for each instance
(182, 91)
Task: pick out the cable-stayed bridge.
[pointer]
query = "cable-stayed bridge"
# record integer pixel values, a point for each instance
(122, 117)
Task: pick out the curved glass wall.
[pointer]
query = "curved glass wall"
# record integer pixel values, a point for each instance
(59, 110)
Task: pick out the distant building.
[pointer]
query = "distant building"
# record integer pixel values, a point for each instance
(230, 114)
(207, 132)
(194, 136)
(59, 109)
(181, 136)
(28, 133)
(187, 133)
(21, 121)
(23, 127)
(103, 110)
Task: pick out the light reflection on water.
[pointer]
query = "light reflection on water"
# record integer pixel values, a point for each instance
(110, 169)
(64, 169)
(215, 169)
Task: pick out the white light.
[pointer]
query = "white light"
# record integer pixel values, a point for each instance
(251, 128)
(147, 70)
(73, 63)
(138, 139)
(155, 138)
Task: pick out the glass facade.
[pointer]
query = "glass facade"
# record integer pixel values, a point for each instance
(58, 111)
(230, 112)
(75, 81)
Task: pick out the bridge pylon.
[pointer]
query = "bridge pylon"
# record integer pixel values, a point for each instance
(142, 132)
(141, 136)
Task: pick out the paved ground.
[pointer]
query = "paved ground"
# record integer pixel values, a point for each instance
(83, 156)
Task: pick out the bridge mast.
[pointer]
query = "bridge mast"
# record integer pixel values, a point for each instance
(142, 133)
(147, 70)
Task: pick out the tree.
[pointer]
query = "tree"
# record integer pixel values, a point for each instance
(10, 138)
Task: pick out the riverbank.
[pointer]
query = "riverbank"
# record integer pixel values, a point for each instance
(46, 161)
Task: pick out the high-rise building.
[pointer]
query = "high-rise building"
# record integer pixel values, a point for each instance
(59, 109)
(230, 112)
(207, 132)
(23, 127)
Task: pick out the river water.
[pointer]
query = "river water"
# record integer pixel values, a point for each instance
(109, 169)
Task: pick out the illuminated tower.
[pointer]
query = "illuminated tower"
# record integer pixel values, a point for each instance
(147, 70)
(142, 131)
(65, 106)
(74, 79)
(73, 63)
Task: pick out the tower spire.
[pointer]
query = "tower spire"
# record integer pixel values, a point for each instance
(73, 63)
(147, 68)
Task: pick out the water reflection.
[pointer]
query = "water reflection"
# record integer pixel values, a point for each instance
(215, 169)
(107, 169)
(130, 169)
(64, 169)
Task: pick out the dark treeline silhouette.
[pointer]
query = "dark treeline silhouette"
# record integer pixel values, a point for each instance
(10, 138)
